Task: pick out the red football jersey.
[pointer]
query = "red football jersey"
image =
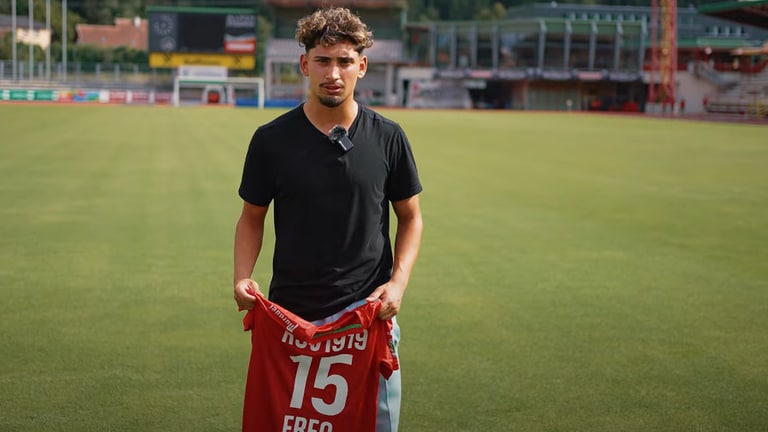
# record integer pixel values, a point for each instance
(307, 378)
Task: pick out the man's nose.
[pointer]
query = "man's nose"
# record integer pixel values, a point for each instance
(334, 71)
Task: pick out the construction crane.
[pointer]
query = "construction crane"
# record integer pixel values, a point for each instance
(663, 52)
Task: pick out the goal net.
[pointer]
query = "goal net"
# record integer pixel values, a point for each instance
(192, 89)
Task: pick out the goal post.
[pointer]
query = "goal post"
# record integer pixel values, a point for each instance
(225, 89)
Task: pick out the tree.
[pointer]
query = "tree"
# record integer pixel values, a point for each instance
(97, 11)
(264, 28)
(495, 12)
(433, 10)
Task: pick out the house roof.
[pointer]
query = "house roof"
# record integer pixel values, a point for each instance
(22, 21)
(126, 32)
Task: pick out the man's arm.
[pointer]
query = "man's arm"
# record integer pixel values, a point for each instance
(249, 235)
(407, 243)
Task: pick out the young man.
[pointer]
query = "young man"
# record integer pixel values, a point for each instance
(331, 194)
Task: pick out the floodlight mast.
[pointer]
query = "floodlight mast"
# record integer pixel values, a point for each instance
(663, 52)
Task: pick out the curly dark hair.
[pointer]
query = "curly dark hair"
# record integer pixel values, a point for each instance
(330, 26)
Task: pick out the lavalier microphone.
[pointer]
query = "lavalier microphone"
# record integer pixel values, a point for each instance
(339, 137)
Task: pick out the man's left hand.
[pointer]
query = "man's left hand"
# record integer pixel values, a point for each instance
(390, 295)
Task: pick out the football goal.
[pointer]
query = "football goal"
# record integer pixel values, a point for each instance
(218, 90)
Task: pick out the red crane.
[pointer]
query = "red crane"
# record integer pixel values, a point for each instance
(663, 52)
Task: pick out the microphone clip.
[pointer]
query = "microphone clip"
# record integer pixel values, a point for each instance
(338, 136)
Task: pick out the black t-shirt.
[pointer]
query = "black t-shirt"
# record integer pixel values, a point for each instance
(331, 208)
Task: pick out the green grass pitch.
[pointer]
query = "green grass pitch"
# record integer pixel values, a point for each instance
(578, 272)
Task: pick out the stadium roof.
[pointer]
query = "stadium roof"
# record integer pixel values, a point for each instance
(715, 43)
(751, 12)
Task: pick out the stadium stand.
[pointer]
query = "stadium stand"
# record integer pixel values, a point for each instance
(750, 94)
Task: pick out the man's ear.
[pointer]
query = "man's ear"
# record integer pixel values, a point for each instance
(363, 67)
(303, 60)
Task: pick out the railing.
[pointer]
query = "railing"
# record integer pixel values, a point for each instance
(99, 75)
(756, 107)
(706, 72)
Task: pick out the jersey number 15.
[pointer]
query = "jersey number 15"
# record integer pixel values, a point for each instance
(322, 380)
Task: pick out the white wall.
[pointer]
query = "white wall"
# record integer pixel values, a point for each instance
(693, 90)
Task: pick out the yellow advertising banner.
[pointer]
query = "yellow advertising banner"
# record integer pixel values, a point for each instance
(174, 60)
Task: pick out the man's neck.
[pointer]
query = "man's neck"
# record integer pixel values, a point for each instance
(325, 118)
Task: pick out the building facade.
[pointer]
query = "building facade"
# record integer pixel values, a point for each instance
(530, 63)
(546, 56)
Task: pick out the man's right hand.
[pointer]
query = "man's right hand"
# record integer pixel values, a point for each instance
(246, 291)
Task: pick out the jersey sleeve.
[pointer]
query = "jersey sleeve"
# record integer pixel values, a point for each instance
(389, 362)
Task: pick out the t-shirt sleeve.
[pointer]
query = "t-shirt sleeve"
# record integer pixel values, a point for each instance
(256, 186)
(404, 176)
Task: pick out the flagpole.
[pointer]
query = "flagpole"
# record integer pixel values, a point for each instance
(48, 48)
(64, 38)
(15, 56)
(31, 45)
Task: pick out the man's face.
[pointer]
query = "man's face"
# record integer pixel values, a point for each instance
(333, 71)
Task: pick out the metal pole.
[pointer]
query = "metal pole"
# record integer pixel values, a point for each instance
(31, 46)
(64, 39)
(15, 56)
(48, 48)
